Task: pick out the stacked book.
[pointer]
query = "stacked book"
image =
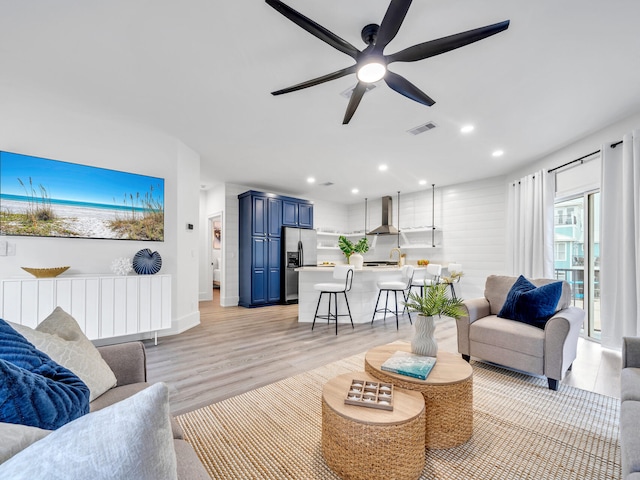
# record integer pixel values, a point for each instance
(409, 364)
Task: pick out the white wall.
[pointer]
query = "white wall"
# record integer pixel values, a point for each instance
(609, 134)
(45, 130)
(185, 280)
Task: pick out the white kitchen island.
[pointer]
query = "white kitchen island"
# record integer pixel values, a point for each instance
(362, 296)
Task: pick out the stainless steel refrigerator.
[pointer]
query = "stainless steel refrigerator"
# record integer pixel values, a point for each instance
(300, 249)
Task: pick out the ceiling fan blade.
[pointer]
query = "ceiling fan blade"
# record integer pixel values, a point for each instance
(315, 29)
(406, 88)
(354, 101)
(446, 44)
(317, 81)
(391, 22)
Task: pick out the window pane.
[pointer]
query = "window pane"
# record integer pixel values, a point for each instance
(569, 246)
(577, 254)
(593, 311)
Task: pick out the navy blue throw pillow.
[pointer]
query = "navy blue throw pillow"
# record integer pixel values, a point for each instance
(35, 390)
(530, 304)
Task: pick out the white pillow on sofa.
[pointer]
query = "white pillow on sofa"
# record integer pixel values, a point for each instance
(60, 337)
(130, 439)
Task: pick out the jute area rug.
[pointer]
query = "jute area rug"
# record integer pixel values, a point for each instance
(521, 430)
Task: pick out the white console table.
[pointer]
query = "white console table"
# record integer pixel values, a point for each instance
(103, 306)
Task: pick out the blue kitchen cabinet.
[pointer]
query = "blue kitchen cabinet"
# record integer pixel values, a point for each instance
(296, 213)
(274, 217)
(274, 269)
(259, 271)
(262, 217)
(290, 213)
(305, 215)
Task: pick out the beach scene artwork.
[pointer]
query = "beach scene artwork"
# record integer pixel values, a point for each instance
(49, 198)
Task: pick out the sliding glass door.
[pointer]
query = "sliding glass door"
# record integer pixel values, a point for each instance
(577, 254)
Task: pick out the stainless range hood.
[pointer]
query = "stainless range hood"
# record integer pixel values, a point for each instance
(386, 228)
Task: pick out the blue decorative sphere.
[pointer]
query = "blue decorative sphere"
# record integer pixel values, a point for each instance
(146, 262)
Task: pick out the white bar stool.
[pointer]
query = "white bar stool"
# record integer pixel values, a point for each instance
(431, 277)
(403, 286)
(340, 272)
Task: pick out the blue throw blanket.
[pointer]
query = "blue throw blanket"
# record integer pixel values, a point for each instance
(35, 390)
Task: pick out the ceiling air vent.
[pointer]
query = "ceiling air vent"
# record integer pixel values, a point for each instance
(326, 184)
(422, 128)
(347, 93)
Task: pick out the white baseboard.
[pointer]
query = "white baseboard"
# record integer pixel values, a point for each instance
(177, 326)
(229, 301)
(205, 296)
(182, 324)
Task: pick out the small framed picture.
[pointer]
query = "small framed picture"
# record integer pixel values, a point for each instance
(217, 235)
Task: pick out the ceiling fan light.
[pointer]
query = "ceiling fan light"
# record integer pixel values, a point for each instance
(371, 72)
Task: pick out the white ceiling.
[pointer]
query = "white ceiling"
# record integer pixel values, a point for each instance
(203, 71)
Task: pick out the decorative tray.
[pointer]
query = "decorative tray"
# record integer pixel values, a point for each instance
(45, 272)
(370, 394)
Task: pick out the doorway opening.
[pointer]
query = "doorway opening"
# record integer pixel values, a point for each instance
(215, 248)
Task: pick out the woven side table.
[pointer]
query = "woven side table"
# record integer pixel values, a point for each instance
(361, 443)
(447, 392)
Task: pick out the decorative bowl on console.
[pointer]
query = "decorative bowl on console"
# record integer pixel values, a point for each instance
(45, 272)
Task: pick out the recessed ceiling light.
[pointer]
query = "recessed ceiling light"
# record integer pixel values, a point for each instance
(467, 129)
(383, 168)
(498, 153)
(354, 190)
(311, 180)
(422, 182)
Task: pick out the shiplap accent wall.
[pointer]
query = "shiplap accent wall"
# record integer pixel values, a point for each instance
(329, 216)
(474, 231)
(472, 217)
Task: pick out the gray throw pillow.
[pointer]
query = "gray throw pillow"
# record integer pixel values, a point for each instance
(130, 439)
(15, 438)
(60, 337)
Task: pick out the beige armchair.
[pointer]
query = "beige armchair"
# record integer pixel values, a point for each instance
(549, 351)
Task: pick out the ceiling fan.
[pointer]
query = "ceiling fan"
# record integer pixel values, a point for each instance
(371, 63)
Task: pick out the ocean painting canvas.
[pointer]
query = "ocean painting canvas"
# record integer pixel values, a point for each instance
(49, 198)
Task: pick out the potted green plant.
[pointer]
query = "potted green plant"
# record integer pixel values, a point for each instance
(354, 251)
(433, 301)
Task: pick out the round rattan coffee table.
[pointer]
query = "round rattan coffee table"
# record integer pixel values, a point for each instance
(447, 391)
(367, 443)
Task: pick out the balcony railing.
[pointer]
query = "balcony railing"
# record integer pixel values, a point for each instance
(575, 278)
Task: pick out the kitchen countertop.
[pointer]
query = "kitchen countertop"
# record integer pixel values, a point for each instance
(323, 268)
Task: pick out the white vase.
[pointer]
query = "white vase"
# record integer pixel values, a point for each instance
(356, 260)
(423, 341)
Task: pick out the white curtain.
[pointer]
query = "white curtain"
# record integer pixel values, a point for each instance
(530, 225)
(620, 241)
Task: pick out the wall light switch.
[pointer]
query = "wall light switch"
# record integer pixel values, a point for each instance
(3, 248)
(11, 249)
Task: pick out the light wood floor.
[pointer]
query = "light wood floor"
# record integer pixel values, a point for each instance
(237, 349)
